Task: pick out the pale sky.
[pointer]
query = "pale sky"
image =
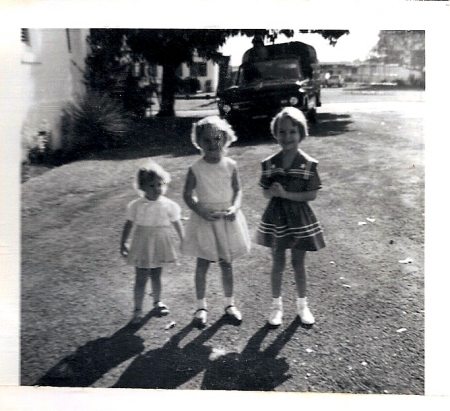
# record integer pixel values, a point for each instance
(353, 46)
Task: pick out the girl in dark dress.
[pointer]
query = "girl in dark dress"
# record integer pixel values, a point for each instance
(289, 180)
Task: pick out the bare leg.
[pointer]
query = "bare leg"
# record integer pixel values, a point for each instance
(155, 276)
(227, 278)
(200, 277)
(227, 282)
(142, 275)
(276, 276)
(298, 264)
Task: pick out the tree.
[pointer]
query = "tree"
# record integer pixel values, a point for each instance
(403, 47)
(105, 67)
(171, 47)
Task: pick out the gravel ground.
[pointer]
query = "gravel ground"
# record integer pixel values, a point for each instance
(366, 287)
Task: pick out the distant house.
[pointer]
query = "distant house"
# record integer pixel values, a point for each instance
(206, 71)
(344, 69)
(50, 72)
(373, 72)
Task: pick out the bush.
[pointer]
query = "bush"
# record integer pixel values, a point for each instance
(208, 86)
(190, 85)
(37, 143)
(92, 123)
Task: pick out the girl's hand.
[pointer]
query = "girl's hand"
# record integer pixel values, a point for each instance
(124, 250)
(213, 215)
(277, 190)
(230, 214)
(207, 215)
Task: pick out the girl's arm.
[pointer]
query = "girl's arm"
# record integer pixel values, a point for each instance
(277, 190)
(236, 185)
(179, 228)
(191, 201)
(237, 196)
(267, 193)
(125, 233)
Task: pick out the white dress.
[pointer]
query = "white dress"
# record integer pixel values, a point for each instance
(220, 239)
(152, 242)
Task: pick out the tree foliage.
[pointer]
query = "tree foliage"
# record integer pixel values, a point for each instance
(403, 47)
(170, 48)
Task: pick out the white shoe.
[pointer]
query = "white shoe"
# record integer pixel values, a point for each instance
(305, 314)
(233, 312)
(276, 316)
(201, 317)
(137, 316)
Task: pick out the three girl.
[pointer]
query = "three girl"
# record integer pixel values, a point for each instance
(217, 230)
(150, 218)
(289, 180)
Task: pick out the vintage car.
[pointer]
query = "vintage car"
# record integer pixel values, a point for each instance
(335, 80)
(286, 74)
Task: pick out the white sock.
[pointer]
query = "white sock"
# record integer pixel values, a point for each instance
(229, 301)
(277, 302)
(201, 303)
(302, 302)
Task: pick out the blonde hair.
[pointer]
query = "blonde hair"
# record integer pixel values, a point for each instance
(149, 171)
(214, 122)
(296, 116)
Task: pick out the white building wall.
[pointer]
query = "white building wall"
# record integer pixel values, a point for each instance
(53, 63)
(212, 73)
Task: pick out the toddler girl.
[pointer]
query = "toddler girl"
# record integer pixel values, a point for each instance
(289, 180)
(217, 231)
(150, 217)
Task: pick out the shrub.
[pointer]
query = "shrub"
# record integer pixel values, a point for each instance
(208, 86)
(37, 143)
(93, 122)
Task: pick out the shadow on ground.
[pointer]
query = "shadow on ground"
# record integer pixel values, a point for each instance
(171, 366)
(91, 361)
(330, 125)
(157, 136)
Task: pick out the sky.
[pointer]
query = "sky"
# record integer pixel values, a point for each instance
(353, 46)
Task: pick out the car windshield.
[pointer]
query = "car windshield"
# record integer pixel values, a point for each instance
(282, 69)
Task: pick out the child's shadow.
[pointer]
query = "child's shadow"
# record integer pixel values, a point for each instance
(252, 369)
(91, 361)
(170, 366)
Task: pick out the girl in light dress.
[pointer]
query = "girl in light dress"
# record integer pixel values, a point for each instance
(289, 180)
(149, 220)
(217, 230)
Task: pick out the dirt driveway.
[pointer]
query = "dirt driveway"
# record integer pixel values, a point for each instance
(366, 287)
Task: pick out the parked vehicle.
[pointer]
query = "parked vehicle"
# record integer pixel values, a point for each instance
(335, 80)
(284, 75)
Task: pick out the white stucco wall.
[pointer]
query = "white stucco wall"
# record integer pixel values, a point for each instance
(52, 67)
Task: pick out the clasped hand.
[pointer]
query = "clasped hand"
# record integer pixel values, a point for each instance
(277, 190)
(229, 214)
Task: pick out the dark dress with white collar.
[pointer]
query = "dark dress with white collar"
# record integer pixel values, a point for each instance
(286, 223)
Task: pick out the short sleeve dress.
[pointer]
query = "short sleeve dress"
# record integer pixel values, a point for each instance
(152, 242)
(286, 223)
(221, 239)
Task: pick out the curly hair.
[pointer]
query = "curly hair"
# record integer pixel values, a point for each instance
(212, 122)
(296, 116)
(148, 172)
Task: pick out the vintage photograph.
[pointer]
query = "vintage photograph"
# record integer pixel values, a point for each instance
(235, 208)
(223, 209)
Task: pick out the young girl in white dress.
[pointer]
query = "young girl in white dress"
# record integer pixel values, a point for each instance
(149, 221)
(217, 230)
